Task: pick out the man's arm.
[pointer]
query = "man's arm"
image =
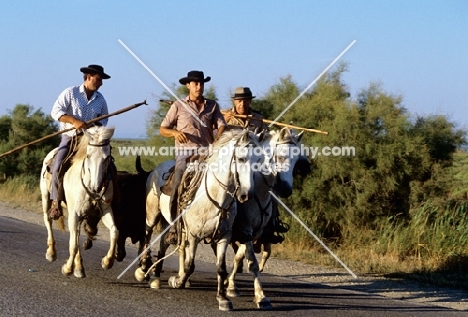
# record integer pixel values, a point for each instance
(228, 115)
(220, 131)
(77, 124)
(172, 133)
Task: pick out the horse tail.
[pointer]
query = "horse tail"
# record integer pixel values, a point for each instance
(138, 166)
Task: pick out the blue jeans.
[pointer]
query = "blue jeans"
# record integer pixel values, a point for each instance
(61, 154)
(180, 167)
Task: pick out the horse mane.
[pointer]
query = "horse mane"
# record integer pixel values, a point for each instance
(223, 140)
(285, 136)
(227, 136)
(99, 134)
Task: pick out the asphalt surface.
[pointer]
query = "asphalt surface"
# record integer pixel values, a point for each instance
(31, 286)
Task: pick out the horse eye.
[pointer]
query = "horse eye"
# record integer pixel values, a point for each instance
(242, 160)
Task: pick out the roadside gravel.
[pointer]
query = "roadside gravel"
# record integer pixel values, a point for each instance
(339, 278)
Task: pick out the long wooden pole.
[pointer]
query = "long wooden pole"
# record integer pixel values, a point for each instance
(280, 124)
(66, 130)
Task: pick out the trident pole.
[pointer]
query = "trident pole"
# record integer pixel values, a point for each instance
(66, 130)
(249, 117)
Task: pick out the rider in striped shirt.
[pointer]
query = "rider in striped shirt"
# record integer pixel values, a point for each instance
(73, 108)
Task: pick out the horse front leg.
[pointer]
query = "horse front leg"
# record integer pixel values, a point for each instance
(145, 257)
(155, 280)
(74, 228)
(121, 253)
(51, 253)
(224, 303)
(265, 255)
(232, 290)
(108, 220)
(186, 261)
(260, 299)
(184, 264)
(153, 216)
(78, 269)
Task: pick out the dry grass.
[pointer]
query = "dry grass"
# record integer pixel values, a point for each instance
(448, 271)
(21, 192)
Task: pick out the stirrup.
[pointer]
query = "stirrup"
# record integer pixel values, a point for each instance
(171, 237)
(55, 211)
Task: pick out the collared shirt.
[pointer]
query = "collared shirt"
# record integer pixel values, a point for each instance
(252, 124)
(179, 117)
(74, 102)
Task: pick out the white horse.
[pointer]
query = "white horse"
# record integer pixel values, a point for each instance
(225, 178)
(88, 194)
(282, 150)
(301, 169)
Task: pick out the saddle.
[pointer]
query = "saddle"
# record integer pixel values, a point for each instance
(66, 163)
(166, 188)
(169, 178)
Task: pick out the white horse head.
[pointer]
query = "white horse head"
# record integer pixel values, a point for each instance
(95, 151)
(285, 149)
(231, 161)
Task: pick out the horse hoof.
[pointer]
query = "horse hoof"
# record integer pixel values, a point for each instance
(225, 305)
(88, 244)
(66, 271)
(107, 263)
(264, 304)
(188, 284)
(79, 274)
(155, 283)
(139, 275)
(51, 257)
(120, 256)
(172, 281)
(233, 292)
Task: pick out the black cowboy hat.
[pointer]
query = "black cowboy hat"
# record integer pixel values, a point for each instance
(194, 75)
(242, 93)
(95, 69)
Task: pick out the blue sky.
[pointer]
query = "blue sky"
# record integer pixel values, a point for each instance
(416, 49)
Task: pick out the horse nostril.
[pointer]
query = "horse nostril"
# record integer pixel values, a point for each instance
(243, 198)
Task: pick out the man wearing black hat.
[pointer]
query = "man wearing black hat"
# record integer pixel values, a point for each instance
(73, 107)
(191, 123)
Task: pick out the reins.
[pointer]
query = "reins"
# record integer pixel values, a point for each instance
(225, 187)
(97, 197)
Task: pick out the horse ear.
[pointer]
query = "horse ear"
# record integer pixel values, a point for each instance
(282, 134)
(245, 136)
(261, 136)
(86, 132)
(299, 136)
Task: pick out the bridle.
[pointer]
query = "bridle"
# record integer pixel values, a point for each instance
(235, 178)
(263, 209)
(96, 197)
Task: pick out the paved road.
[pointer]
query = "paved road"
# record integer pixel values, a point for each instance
(31, 286)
